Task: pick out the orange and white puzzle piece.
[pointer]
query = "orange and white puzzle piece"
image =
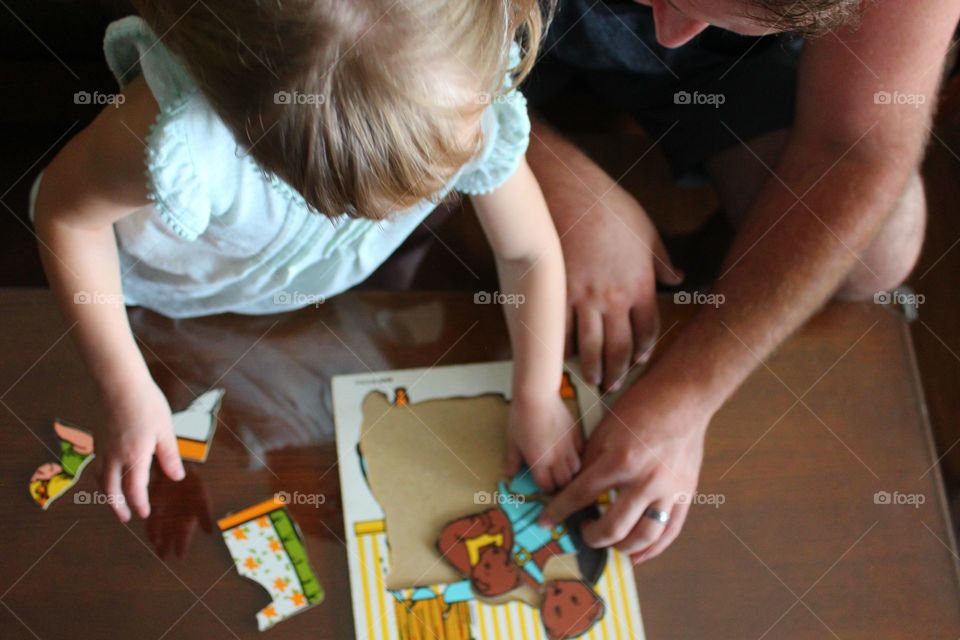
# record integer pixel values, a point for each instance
(195, 426)
(267, 547)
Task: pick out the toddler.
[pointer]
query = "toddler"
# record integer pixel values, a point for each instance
(268, 155)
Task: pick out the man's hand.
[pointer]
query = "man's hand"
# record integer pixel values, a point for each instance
(614, 258)
(649, 449)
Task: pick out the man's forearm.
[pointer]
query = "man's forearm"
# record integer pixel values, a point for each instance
(568, 177)
(805, 233)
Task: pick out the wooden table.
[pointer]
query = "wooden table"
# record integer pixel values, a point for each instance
(799, 547)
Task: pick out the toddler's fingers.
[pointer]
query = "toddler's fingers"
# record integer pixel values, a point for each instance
(135, 479)
(111, 485)
(561, 473)
(590, 343)
(578, 444)
(646, 326)
(542, 475)
(617, 347)
(573, 464)
(168, 456)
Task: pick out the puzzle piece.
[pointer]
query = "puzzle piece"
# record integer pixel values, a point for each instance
(267, 548)
(52, 480)
(503, 548)
(420, 450)
(195, 425)
(570, 608)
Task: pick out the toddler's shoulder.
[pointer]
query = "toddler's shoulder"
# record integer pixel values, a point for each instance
(100, 170)
(114, 142)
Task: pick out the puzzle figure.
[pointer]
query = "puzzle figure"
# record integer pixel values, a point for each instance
(52, 480)
(267, 548)
(503, 548)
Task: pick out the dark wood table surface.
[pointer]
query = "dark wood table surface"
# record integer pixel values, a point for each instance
(799, 547)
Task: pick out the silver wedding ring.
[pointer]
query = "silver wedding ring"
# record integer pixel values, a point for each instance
(660, 516)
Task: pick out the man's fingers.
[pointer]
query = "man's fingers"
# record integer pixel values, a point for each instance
(111, 485)
(617, 522)
(663, 266)
(168, 456)
(573, 464)
(135, 480)
(646, 531)
(578, 443)
(645, 319)
(677, 518)
(589, 342)
(617, 348)
(583, 491)
(592, 448)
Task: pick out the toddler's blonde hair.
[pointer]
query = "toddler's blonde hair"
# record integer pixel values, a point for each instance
(360, 105)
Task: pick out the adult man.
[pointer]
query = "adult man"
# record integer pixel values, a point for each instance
(825, 192)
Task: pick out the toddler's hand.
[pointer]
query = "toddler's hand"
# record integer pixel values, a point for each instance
(138, 424)
(545, 435)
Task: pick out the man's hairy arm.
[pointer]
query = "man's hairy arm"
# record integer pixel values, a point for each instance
(842, 173)
(847, 162)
